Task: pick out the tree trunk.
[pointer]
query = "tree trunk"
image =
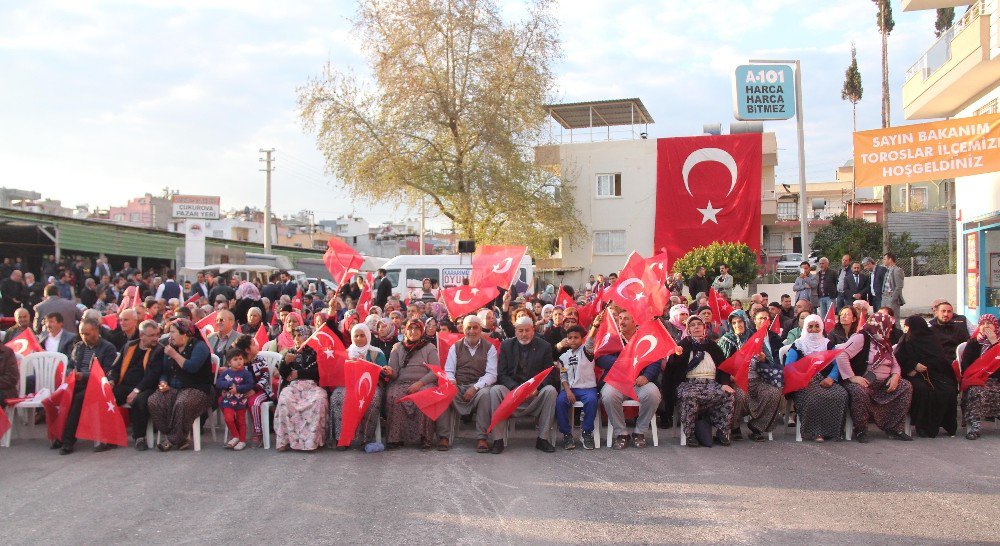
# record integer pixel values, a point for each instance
(886, 189)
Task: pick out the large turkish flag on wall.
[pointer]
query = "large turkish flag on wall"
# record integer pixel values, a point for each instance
(708, 188)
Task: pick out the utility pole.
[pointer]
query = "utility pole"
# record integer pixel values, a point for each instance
(268, 160)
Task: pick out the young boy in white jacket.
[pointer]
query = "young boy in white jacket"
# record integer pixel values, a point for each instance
(579, 383)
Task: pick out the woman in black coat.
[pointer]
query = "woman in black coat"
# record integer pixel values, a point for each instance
(935, 391)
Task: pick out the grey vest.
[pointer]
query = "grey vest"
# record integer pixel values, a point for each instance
(468, 367)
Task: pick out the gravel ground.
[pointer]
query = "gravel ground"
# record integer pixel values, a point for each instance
(945, 490)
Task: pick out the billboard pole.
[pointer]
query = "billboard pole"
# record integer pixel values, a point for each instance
(267, 199)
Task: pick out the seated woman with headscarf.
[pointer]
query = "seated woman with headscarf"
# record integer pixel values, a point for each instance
(407, 373)
(301, 412)
(385, 336)
(359, 349)
(847, 325)
(677, 323)
(763, 397)
(703, 388)
(185, 385)
(873, 380)
(822, 405)
(286, 339)
(935, 391)
(247, 296)
(255, 319)
(981, 402)
(796, 333)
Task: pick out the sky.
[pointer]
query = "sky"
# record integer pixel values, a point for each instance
(105, 100)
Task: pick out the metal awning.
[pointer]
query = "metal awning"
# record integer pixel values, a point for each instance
(601, 113)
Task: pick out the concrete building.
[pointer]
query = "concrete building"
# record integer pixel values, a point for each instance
(146, 211)
(959, 76)
(602, 150)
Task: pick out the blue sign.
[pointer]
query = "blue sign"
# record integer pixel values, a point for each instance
(764, 91)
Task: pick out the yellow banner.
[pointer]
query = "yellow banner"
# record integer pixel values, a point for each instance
(927, 151)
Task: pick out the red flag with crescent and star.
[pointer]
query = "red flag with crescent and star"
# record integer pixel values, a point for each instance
(4, 423)
(360, 382)
(56, 405)
(608, 340)
(654, 276)
(433, 402)
(207, 325)
(110, 320)
(776, 324)
(24, 343)
(364, 303)
(341, 261)
(462, 300)
(651, 342)
(261, 337)
(193, 299)
(799, 374)
(830, 322)
(563, 299)
(738, 365)
(979, 371)
(517, 397)
(330, 356)
(708, 189)
(496, 265)
(100, 419)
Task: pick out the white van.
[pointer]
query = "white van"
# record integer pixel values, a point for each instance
(406, 273)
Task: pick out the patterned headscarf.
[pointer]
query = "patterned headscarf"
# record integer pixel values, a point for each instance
(879, 326)
(981, 337)
(675, 313)
(247, 289)
(186, 327)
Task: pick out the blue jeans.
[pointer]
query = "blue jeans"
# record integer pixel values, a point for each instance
(564, 411)
(824, 306)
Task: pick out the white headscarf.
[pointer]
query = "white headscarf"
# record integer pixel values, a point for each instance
(812, 342)
(353, 351)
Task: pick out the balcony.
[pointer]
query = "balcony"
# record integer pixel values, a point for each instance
(955, 70)
(917, 5)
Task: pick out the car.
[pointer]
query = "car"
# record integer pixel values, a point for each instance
(789, 263)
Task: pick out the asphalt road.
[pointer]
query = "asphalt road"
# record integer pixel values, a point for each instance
(945, 490)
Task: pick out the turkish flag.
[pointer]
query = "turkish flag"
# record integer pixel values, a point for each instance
(364, 303)
(654, 277)
(708, 189)
(496, 265)
(433, 402)
(713, 304)
(651, 342)
(444, 342)
(207, 325)
(587, 313)
(360, 382)
(297, 300)
(798, 374)
(830, 322)
(330, 356)
(274, 317)
(609, 337)
(24, 343)
(517, 397)
(4, 423)
(57, 407)
(341, 261)
(562, 298)
(633, 268)
(261, 337)
(100, 419)
(979, 371)
(462, 300)
(738, 365)
(776, 324)
(111, 321)
(192, 299)
(129, 297)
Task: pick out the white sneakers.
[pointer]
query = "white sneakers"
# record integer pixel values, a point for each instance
(232, 443)
(240, 446)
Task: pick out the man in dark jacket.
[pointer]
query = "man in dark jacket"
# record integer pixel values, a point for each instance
(11, 294)
(90, 346)
(698, 283)
(522, 358)
(135, 375)
(383, 288)
(271, 290)
(857, 286)
(950, 329)
(876, 276)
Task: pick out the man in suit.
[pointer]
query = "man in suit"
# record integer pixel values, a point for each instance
(288, 286)
(892, 291)
(11, 293)
(56, 338)
(271, 290)
(521, 358)
(876, 277)
(383, 288)
(53, 303)
(857, 285)
(199, 286)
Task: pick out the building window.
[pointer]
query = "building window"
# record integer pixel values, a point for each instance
(870, 216)
(918, 197)
(988, 108)
(217, 233)
(133, 217)
(787, 210)
(609, 185)
(119, 217)
(609, 242)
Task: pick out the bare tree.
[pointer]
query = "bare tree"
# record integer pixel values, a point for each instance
(452, 113)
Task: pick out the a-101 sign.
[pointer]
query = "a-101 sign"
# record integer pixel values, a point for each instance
(763, 91)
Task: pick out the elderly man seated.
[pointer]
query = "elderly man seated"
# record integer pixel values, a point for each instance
(646, 388)
(135, 375)
(472, 364)
(522, 358)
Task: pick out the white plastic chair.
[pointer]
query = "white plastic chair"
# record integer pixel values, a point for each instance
(44, 365)
(272, 359)
(196, 425)
(652, 425)
(782, 353)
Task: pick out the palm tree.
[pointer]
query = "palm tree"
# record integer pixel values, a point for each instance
(883, 19)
